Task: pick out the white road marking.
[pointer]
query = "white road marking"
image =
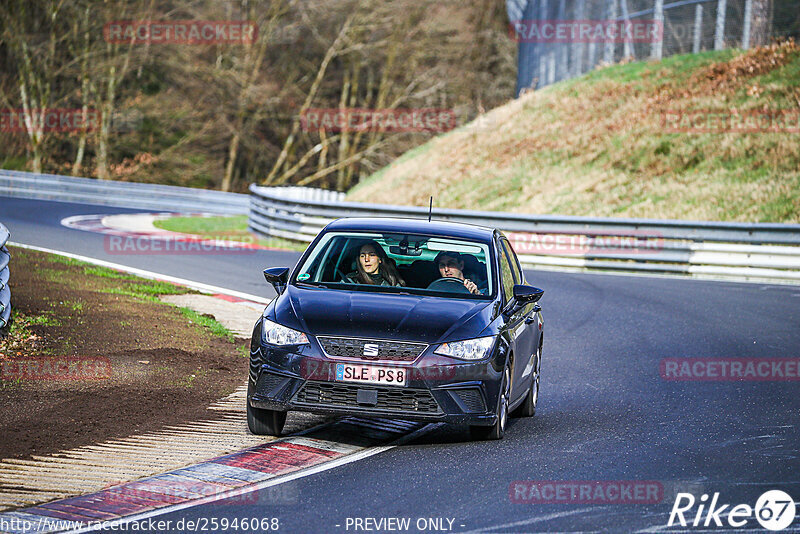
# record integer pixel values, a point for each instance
(199, 286)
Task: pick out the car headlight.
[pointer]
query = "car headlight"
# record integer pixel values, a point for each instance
(469, 349)
(277, 334)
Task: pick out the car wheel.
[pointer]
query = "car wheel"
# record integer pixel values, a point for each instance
(528, 406)
(265, 422)
(497, 430)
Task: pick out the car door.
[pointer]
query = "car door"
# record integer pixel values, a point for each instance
(515, 321)
(524, 329)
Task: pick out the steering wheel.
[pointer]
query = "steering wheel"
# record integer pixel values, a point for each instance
(342, 277)
(449, 284)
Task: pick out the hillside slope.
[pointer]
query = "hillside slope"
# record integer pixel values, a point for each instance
(602, 145)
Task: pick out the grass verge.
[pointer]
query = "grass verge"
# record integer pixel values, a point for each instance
(601, 145)
(164, 364)
(233, 228)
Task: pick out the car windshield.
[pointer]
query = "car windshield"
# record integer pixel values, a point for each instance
(399, 263)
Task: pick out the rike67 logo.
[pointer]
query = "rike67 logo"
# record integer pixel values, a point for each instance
(774, 510)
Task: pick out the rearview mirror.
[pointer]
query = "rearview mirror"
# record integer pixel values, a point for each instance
(405, 251)
(527, 294)
(278, 277)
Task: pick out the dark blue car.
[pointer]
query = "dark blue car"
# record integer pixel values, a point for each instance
(429, 321)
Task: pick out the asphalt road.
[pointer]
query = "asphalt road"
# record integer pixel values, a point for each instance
(605, 413)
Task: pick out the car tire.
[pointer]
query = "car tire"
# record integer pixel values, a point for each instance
(497, 430)
(528, 406)
(265, 422)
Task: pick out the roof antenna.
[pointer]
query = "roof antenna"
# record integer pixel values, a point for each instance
(430, 209)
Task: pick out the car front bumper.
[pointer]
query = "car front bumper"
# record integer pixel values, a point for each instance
(438, 389)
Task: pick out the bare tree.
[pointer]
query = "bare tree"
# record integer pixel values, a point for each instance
(34, 37)
(81, 49)
(247, 73)
(112, 62)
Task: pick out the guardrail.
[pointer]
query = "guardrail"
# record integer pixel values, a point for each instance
(5, 292)
(121, 194)
(752, 251)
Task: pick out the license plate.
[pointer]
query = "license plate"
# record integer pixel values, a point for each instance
(369, 374)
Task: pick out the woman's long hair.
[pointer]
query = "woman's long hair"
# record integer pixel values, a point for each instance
(386, 268)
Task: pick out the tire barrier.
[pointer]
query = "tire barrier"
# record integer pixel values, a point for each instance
(5, 292)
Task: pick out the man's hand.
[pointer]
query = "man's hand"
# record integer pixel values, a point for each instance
(469, 284)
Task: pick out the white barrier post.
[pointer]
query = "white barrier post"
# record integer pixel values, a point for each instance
(719, 33)
(657, 50)
(698, 27)
(748, 15)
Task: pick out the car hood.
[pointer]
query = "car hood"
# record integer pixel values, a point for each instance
(381, 316)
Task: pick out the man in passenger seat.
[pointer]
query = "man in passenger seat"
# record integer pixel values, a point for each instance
(451, 265)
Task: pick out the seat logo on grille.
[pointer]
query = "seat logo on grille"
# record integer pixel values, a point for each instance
(370, 349)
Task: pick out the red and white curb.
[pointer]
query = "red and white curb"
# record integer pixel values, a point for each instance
(234, 476)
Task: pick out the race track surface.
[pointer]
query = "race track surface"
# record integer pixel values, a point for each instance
(605, 412)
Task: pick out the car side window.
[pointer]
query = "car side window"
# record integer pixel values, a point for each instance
(514, 261)
(506, 275)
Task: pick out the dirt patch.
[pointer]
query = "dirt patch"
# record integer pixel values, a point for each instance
(93, 355)
(725, 77)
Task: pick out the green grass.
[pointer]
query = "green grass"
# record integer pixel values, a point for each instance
(597, 146)
(55, 258)
(105, 272)
(204, 225)
(46, 319)
(232, 228)
(188, 380)
(17, 326)
(210, 323)
(147, 290)
(74, 305)
(156, 287)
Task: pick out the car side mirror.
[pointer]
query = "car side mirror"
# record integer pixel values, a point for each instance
(278, 277)
(527, 294)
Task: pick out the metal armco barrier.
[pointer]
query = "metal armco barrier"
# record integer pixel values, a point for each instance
(5, 292)
(120, 194)
(753, 251)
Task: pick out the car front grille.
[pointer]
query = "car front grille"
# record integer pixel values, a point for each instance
(371, 349)
(393, 399)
